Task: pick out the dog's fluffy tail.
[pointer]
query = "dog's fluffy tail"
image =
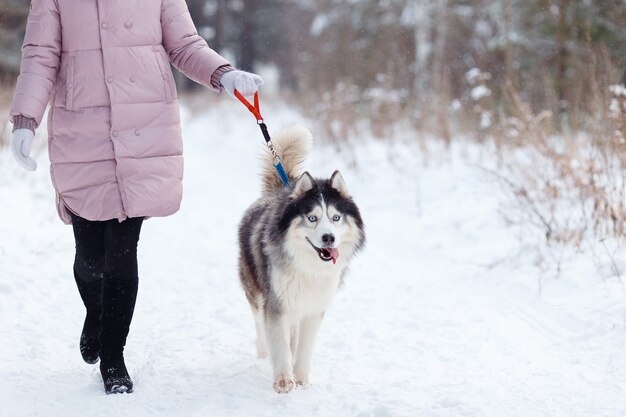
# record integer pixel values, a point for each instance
(293, 145)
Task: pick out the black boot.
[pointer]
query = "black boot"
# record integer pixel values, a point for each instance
(114, 373)
(91, 293)
(118, 305)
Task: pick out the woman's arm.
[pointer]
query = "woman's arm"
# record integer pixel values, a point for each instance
(187, 50)
(41, 56)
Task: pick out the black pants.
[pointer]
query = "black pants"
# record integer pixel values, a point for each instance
(105, 269)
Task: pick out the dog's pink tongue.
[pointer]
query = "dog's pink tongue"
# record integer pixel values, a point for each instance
(334, 253)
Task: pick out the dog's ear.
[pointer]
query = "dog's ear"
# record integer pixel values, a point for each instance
(304, 184)
(337, 182)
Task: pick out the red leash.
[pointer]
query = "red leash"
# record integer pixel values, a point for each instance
(254, 109)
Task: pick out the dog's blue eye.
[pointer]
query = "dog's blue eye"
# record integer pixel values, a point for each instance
(312, 219)
(336, 218)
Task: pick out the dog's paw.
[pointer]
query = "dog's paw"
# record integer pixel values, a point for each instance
(302, 383)
(283, 384)
(302, 378)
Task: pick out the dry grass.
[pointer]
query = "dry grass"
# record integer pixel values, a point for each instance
(563, 167)
(571, 188)
(348, 112)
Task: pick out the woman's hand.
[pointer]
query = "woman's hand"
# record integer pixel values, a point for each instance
(21, 142)
(244, 82)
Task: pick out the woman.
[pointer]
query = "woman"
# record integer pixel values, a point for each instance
(114, 139)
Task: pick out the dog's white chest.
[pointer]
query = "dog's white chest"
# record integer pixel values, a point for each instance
(304, 294)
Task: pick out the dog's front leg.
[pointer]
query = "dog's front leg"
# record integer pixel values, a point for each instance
(308, 331)
(278, 336)
(293, 342)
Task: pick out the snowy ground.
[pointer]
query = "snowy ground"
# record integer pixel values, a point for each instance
(437, 317)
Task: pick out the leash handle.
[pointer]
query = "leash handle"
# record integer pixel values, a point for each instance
(254, 109)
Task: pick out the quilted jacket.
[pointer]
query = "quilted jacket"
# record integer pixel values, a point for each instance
(114, 127)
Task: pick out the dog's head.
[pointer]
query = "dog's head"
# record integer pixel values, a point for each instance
(323, 224)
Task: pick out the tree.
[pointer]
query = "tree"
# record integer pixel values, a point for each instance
(12, 26)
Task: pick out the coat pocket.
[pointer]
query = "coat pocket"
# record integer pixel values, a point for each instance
(166, 75)
(69, 84)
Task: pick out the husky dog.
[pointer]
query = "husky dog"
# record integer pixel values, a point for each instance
(295, 246)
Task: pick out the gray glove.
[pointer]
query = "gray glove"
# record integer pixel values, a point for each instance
(245, 82)
(21, 141)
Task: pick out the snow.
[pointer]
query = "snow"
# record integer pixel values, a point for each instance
(320, 23)
(441, 315)
(475, 75)
(618, 90)
(479, 92)
(485, 119)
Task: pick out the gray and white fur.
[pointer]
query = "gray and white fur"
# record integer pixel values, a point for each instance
(295, 246)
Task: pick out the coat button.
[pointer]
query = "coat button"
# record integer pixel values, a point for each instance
(69, 84)
(103, 25)
(164, 76)
(128, 25)
(132, 78)
(110, 80)
(114, 133)
(137, 132)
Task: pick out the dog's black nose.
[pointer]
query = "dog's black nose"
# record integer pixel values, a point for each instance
(328, 239)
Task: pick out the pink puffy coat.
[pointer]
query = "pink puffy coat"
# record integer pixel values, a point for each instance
(114, 127)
